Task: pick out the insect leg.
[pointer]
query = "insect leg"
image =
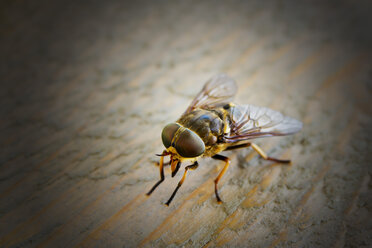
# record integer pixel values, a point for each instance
(174, 172)
(161, 168)
(227, 163)
(238, 146)
(164, 164)
(165, 153)
(264, 156)
(190, 167)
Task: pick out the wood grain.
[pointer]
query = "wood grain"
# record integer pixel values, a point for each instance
(87, 89)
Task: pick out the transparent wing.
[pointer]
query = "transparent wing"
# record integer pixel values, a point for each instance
(219, 89)
(250, 122)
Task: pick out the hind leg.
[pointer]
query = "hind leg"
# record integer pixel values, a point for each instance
(260, 152)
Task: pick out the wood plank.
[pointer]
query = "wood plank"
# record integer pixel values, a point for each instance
(87, 89)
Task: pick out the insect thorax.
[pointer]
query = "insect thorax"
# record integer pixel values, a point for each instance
(206, 123)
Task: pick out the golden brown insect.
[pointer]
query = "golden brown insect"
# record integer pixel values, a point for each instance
(212, 124)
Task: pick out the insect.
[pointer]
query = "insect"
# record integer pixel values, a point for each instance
(212, 124)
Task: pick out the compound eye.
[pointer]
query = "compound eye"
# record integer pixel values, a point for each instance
(189, 144)
(168, 133)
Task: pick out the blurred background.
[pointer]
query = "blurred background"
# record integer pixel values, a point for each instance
(87, 86)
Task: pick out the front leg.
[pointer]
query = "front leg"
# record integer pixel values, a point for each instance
(190, 167)
(161, 169)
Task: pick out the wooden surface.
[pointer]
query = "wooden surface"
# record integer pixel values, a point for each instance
(87, 87)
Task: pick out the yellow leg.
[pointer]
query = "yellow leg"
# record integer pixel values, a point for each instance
(224, 169)
(161, 169)
(259, 151)
(190, 167)
(175, 165)
(264, 156)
